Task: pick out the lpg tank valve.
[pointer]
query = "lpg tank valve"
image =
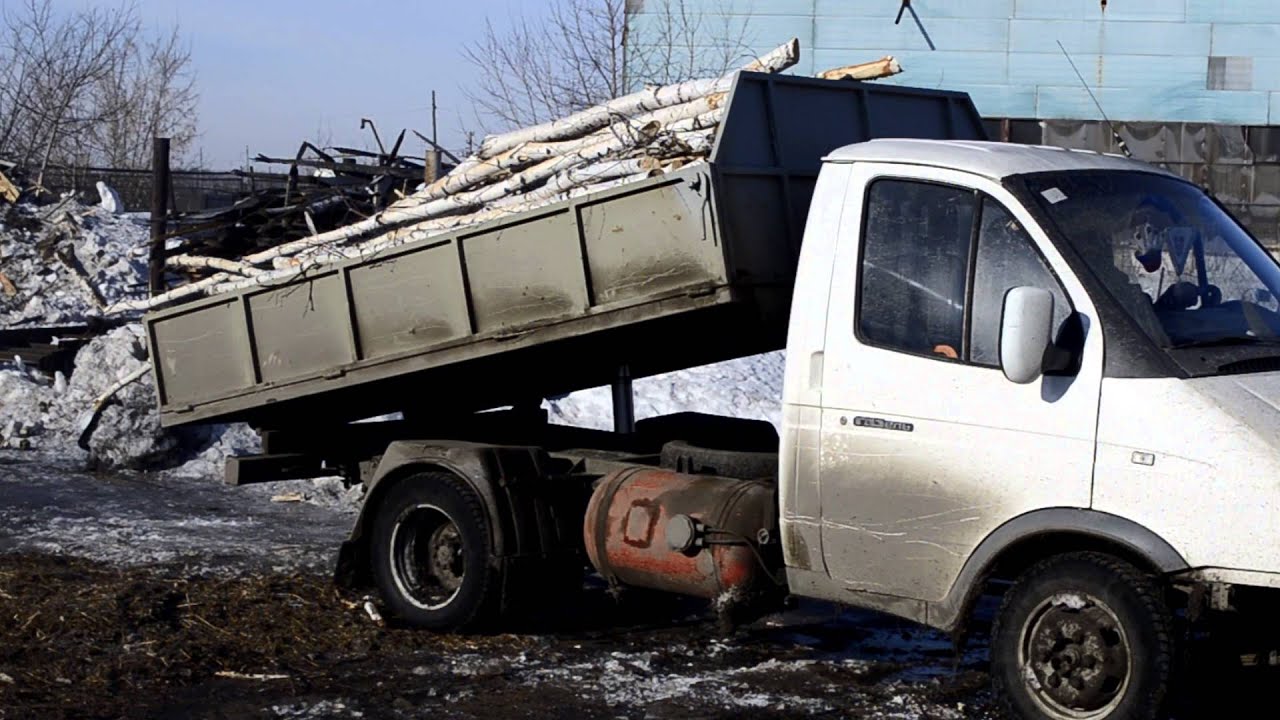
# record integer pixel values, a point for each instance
(685, 535)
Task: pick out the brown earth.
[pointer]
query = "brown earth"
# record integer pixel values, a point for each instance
(81, 639)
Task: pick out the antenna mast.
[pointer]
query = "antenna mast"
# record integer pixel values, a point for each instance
(1119, 140)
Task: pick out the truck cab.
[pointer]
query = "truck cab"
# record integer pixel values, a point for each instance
(1054, 365)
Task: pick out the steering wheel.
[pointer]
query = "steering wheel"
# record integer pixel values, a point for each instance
(1178, 296)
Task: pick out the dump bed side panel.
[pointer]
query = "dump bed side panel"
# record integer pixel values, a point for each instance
(363, 320)
(684, 269)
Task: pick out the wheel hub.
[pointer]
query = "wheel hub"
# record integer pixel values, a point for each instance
(446, 556)
(1077, 656)
(428, 560)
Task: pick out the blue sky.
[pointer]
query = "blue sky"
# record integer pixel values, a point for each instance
(272, 72)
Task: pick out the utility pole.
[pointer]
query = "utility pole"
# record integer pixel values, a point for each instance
(432, 170)
(435, 140)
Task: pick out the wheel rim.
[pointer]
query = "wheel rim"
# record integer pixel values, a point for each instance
(1075, 657)
(428, 562)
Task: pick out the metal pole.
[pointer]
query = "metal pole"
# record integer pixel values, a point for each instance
(159, 211)
(624, 408)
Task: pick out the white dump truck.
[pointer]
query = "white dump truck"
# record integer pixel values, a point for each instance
(1048, 374)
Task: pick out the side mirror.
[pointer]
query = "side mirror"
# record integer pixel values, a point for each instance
(1025, 327)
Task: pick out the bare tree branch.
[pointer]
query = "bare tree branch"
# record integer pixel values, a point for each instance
(87, 85)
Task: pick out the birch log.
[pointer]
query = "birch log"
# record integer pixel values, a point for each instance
(884, 67)
(705, 121)
(199, 262)
(392, 218)
(647, 100)
(625, 140)
(179, 293)
(638, 131)
(566, 180)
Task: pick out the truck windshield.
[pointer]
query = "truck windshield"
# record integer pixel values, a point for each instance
(1182, 267)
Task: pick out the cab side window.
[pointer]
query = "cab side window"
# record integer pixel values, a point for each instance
(915, 257)
(1006, 258)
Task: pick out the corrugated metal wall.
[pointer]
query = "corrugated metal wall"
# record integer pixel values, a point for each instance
(1168, 60)
(1190, 84)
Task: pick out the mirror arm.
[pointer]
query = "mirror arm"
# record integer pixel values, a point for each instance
(1060, 361)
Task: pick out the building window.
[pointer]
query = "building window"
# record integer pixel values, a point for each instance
(1230, 73)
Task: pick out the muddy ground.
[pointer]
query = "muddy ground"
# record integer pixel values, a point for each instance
(145, 596)
(86, 640)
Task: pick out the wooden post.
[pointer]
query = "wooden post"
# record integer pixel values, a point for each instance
(159, 211)
(432, 170)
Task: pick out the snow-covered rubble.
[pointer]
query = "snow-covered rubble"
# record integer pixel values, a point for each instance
(40, 413)
(63, 261)
(60, 263)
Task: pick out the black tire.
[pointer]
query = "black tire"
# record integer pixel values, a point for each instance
(1080, 618)
(416, 555)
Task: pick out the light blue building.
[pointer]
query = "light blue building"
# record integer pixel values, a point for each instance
(1193, 84)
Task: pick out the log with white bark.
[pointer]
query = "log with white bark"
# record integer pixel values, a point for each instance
(657, 130)
(585, 175)
(705, 121)
(394, 217)
(471, 173)
(492, 202)
(874, 70)
(485, 171)
(636, 103)
(181, 292)
(566, 175)
(515, 205)
(574, 182)
(200, 262)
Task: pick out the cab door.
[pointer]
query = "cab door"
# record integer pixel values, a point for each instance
(926, 447)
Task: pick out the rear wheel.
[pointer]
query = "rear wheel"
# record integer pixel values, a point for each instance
(1082, 636)
(430, 553)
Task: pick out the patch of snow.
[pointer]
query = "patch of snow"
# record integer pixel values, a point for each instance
(327, 492)
(321, 709)
(749, 387)
(627, 680)
(1071, 601)
(39, 247)
(110, 199)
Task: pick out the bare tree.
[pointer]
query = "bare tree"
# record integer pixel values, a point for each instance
(89, 86)
(152, 90)
(669, 41)
(582, 53)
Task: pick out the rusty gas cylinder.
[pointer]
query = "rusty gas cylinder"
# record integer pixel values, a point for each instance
(687, 534)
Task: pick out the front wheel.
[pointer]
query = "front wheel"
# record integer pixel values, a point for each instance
(430, 553)
(1082, 636)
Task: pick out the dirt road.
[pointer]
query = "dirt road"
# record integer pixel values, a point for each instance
(151, 597)
(144, 596)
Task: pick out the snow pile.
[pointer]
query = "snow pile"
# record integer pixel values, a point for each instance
(61, 263)
(749, 387)
(43, 414)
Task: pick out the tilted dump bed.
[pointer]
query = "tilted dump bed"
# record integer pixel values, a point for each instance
(679, 270)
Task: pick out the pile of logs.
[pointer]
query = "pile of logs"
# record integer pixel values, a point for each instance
(626, 139)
